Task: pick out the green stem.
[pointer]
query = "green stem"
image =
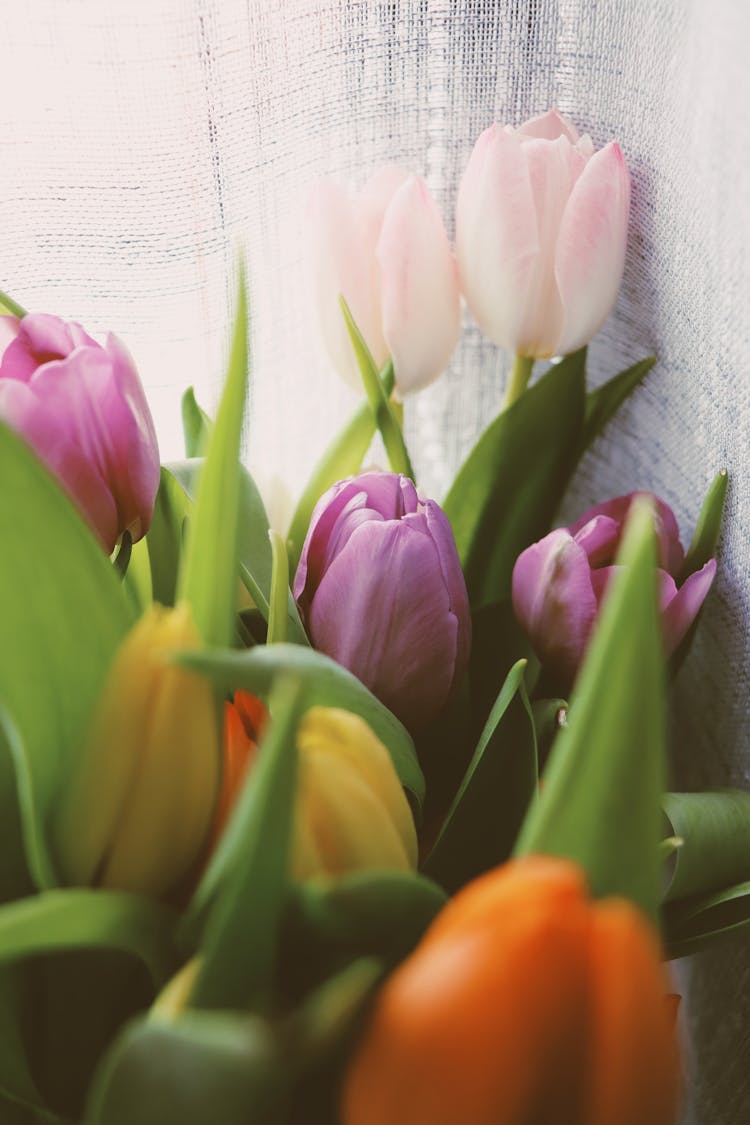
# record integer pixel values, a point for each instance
(519, 378)
(277, 609)
(12, 307)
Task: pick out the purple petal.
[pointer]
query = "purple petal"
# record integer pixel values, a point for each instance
(684, 607)
(441, 531)
(670, 552)
(554, 600)
(599, 538)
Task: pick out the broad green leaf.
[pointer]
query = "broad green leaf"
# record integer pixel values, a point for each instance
(35, 856)
(382, 410)
(208, 574)
(63, 613)
(255, 556)
(20, 1099)
(708, 528)
(196, 425)
(15, 871)
(206, 1066)
(239, 947)
(342, 459)
(715, 830)
(10, 307)
(704, 920)
(58, 921)
(327, 684)
(483, 821)
(507, 490)
(600, 802)
(606, 400)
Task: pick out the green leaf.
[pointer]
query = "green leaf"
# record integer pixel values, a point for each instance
(606, 400)
(342, 459)
(507, 490)
(325, 1020)
(385, 418)
(327, 684)
(207, 1066)
(58, 921)
(255, 556)
(487, 812)
(196, 425)
(208, 577)
(137, 581)
(497, 643)
(708, 528)
(277, 614)
(10, 307)
(62, 623)
(166, 536)
(715, 830)
(16, 879)
(238, 952)
(121, 560)
(704, 920)
(600, 803)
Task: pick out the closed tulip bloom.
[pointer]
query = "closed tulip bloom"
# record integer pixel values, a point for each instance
(137, 813)
(560, 582)
(351, 812)
(541, 228)
(386, 251)
(380, 589)
(525, 1002)
(81, 407)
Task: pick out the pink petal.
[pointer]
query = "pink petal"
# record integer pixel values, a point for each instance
(496, 235)
(419, 287)
(591, 246)
(599, 538)
(669, 548)
(549, 126)
(684, 607)
(9, 329)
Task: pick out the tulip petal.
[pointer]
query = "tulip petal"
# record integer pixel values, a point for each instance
(395, 632)
(684, 607)
(670, 552)
(497, 238)
(549, 126)
(419, 287)
(9, 329)
(599, 538)
(590, 254)
(554, 600)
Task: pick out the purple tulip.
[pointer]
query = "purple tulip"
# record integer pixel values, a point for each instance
(81, 407)
(559, 584)
(380, 590)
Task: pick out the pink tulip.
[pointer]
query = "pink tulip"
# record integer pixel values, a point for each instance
(386, 251)
(559, 584)
(541, 227)
(81, 407)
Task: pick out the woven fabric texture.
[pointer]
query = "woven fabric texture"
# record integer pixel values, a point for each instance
(143, 143)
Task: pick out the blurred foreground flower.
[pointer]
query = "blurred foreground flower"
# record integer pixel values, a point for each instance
(138, 811)
(380, 589)
(81, 406)
(351, 811)
(386, 251)
(559, 584)
(525, 1002)
(541, 227)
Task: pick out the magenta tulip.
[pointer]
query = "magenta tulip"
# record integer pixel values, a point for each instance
(380, 589)
(559, 584)
(541, 227)
(386, 251)
(81, 407)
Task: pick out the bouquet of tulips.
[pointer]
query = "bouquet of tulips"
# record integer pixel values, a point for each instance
(364, 820)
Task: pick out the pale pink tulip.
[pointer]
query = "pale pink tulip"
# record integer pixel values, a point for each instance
(386, 251)
(541, 228)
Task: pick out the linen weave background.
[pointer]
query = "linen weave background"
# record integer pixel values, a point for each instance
(142, 142)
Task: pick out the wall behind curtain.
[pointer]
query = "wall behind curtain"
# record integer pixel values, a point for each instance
(141, 144)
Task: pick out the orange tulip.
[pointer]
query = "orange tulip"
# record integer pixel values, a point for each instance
(244, 720)
(525, 1004)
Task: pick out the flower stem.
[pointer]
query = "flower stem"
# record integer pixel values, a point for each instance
(519, 378)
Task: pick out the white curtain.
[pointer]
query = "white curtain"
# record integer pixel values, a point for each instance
(143, 142)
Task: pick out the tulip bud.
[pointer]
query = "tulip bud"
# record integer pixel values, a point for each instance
(386, 251)
(541, 228)
(81, 407)
(380, 589)
(560, 582)
(525, 1001)
(137, 813)
(351, 811)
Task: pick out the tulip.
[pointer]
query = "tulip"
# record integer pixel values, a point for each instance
(524, 1002)
(560, 582)
(386, 252)
(380, 589)
(81, 408)
(541, 227)
(138, 811)
(244, 721)
(351, 812)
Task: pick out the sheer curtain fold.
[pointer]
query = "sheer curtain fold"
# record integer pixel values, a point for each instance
(143, 144)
